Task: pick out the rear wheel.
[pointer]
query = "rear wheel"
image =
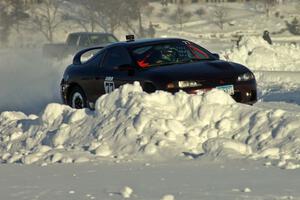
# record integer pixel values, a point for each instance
(77, 98)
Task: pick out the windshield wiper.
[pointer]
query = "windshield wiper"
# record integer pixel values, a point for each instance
(164, 64)
(180, 62)
(196, 59)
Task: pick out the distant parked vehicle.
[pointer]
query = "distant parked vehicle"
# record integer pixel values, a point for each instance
(77, 41)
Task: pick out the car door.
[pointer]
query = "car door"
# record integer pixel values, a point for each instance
(91, 78)
(113, 76)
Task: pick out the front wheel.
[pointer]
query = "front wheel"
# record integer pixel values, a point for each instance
(77, 98)
(149, 88)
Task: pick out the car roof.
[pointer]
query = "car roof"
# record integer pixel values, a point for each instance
(90, 33)
(141, 42)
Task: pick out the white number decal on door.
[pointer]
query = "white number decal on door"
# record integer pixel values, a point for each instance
(109, 84)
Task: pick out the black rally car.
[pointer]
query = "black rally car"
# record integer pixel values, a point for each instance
(167, 64)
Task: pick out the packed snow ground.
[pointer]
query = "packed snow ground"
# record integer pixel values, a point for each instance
(181, 179)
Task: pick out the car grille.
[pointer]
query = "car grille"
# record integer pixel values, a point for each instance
(221, 82)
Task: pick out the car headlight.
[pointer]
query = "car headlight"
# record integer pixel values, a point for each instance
(245, 77)
(187, 84)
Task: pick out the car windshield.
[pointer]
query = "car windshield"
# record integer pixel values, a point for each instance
(97, 39)
(169, 53)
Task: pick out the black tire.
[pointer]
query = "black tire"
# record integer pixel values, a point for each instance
(149, 88)
(77, 98)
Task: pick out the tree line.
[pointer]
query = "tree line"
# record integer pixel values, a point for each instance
(48, 16)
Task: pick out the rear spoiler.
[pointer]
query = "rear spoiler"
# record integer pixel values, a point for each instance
(77, 57)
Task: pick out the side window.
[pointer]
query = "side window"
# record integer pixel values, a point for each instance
(84, 40)
(115, 57)
(72, 39)
(111, 39)
(93, 55)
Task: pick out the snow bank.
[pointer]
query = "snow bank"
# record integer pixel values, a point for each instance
(28, 81)
(257, 54)
(131, 124)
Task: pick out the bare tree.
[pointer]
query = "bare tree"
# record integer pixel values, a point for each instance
(265, 6)
(83, 15)
(108, 14)
(220, 15)
(200, 12)
(269, 5)
(92, 15)
(5, 24)
(47, 18)
(180, 15)
(12, 13)
(132, 18)
(18, 13)
(149, 10)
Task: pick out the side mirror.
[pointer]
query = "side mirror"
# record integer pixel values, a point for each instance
(217, 56)
(125, 67)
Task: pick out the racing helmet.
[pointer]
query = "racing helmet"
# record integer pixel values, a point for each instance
(169, 54)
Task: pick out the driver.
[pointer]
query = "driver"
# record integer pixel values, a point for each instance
(159, 56)
(169, 55)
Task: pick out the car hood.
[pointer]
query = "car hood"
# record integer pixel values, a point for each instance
(210, 69)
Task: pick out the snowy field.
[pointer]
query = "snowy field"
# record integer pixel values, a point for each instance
(157, 146)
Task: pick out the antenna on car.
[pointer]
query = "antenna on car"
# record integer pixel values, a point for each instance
(129, 38)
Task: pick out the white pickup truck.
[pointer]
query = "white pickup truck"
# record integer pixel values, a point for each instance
(77, 41)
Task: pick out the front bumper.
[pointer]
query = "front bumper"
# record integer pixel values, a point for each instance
(244, 92)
